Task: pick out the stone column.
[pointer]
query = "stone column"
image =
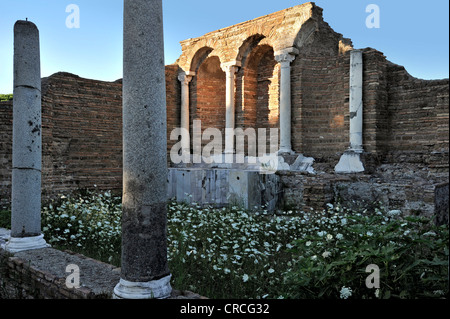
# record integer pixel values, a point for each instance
(351, 160)
(285, 57)
(27, 141)
(185, 78)
(145, 273)
(230, 68)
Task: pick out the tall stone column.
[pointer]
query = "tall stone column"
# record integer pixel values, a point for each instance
(27, 141)
(230, 68)
(185, 78)
(145, 273)
(285, 57)
(351, 160)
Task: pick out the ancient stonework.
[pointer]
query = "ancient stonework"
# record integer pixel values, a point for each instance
(405, 120)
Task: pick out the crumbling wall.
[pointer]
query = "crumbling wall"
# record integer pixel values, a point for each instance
(82, 134)
(418, 120)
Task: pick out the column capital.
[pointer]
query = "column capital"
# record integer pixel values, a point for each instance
(286, 55)
(231, 66)
(186, 77)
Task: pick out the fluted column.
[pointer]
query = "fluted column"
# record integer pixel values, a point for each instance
(285, 58)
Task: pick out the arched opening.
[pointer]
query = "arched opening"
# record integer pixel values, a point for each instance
(259, 93)
(208, 90)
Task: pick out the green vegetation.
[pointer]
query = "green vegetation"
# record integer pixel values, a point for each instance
(334, 251)
(233, 253)
(6, 97)
(5, 219)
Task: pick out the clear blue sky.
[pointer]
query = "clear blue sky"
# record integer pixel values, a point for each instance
(412, 33)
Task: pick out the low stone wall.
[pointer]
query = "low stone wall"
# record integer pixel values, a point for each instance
(413, 189)
(41, 274)
(223, 187)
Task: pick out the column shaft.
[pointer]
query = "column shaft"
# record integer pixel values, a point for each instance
(27, 141)
(285, 59)
(230, 69)
(145, 273)
(185, 122)
(350, 161)
(356, 101)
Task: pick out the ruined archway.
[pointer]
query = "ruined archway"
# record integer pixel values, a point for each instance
(208, 94)
(258, 86)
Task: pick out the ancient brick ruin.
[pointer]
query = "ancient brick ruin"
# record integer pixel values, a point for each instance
(405, 128)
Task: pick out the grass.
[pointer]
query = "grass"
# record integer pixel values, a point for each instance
(6, 97)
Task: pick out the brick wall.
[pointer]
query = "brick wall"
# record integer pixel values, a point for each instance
(320, 95)
(207, 98)
(5, 152)
(82, 133)
(405, 119)
(173, 100)
(418, 120)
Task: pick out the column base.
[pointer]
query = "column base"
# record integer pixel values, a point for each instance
(286, 151)
(157, 289)
(350, 163)
(15, 245)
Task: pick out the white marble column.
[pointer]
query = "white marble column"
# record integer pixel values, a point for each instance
(356, 101)
(185, 78)
(230, 68)
(285, 58)
(351, 160)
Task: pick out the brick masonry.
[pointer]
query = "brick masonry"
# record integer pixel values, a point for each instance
(41, 274)
(406, 120)
(82, 134)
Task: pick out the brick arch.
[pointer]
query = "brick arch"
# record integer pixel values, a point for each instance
(198, 58)
(189, 58)
(306, 33)
(247, 46)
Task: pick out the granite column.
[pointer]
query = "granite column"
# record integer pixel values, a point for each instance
(27, 141)
(145, 273)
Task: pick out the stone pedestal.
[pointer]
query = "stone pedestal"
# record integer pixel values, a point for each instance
(27, 141)
(350, 163)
